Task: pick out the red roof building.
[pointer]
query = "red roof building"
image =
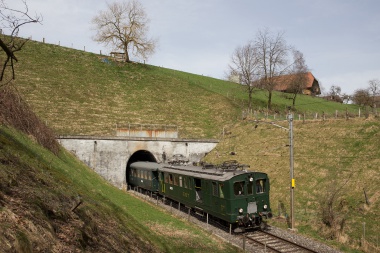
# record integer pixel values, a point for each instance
(286, 83)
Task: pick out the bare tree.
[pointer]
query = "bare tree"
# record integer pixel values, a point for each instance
(260, 62)
(299, 77)
(272, 57)
(335, 94)
(334, 208)
(244, 65)
(124, 26)
(11, 20)
(362, 97)
(374, 90)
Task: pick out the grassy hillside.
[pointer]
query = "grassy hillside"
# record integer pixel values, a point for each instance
(334, 160)
(77, 92)
(39, 190)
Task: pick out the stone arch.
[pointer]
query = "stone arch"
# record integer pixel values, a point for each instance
(140, 155)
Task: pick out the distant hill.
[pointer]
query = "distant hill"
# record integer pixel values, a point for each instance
(78, 92)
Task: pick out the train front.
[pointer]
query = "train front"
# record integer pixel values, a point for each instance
(251, 201)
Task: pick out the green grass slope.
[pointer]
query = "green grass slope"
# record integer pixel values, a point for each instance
(38, 192)
(333, 160)
(76, 92)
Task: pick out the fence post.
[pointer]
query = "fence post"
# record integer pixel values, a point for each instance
(363, 231)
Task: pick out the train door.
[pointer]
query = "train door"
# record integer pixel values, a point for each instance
(198, 189)
(162, 182)
(155, 183)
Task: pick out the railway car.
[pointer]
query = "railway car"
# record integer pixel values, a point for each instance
(144, 175)
(228, 192)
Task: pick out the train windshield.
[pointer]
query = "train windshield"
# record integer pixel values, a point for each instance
(260, 185)
(239, 188)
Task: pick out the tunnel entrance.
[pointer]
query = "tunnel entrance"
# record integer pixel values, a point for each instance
(141, 155)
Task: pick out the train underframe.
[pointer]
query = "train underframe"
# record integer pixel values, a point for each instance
(250, 222)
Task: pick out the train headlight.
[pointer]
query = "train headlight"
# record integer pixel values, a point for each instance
(265, 207)
(241, 210)
(251, 179)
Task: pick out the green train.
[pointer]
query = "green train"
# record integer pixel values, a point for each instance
(227, 192)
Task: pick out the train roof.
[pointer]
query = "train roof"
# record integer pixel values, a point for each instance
(222, 172)
(144, 165)
(202, 172)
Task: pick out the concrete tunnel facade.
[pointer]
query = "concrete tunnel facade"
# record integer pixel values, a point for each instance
(110, 157)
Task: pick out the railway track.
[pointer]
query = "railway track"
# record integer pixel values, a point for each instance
(257, 241)
(273, 243)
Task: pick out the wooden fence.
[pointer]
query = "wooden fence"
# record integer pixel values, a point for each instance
(263, 114)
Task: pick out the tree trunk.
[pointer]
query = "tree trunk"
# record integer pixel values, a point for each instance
(250, 99)
(126, 56)
(269, 99)
(294, 99)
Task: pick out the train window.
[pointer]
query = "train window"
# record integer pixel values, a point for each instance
(215, 190)
(170, 179)
(180, 181)
(166, 178)
(198, 189)
(175, 180)
(239, 188)
(221, 194)
(250, 188)
(260, 185)
(185, 182)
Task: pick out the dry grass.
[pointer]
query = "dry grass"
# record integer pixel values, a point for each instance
(327, 154)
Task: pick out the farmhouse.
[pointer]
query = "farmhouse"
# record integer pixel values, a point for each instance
(286, 83)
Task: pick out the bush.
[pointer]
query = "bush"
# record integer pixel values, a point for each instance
(15, 112)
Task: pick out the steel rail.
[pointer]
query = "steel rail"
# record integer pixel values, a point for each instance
(276, 243)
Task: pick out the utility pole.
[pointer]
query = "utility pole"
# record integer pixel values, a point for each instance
(292, 180)
(291, 159)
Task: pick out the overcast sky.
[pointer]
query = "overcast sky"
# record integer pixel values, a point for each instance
(339, 38)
